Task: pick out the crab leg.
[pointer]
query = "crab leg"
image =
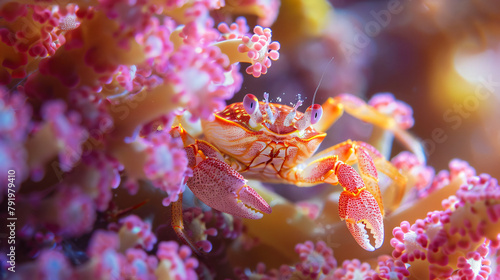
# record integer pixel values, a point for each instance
(334, 108)
(178, 226)
(216, 184)
(360, 203)
(367, 157)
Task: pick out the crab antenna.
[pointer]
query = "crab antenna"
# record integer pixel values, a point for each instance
(321, 79)
(270, 116)
(314, 112)
(289, 118)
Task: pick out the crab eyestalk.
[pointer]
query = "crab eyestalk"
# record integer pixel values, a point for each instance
(251, 106)
(311, 116)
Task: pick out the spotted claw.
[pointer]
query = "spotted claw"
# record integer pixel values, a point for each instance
(359, 208)
(219, 186)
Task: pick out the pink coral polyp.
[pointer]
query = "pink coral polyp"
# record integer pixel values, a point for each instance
(176, 262)
(166, 165)
(236, 30)
(79, 214)
(444, 238)
(316, 259)
(133, 225)
(70, 135)
(52, 264)
(260, 50)
(474, 265)
(415, 168)
(139, 265)
(198, 76)
(386, 103)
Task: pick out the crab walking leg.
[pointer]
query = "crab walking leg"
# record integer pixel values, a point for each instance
(358, 205)
(333, 108)
(176, 207)
(178, 226)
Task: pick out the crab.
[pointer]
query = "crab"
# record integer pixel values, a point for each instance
(276, 143)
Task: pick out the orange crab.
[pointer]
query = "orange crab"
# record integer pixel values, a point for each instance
(276, 143)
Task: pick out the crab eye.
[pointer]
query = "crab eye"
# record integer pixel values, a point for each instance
(250, 103)
(316, 113)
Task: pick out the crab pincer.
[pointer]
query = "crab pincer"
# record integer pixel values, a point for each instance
(359, 208)
(219, 186)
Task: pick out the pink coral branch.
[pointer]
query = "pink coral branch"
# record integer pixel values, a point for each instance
(441, 242)
(134, 231)
(260, 50)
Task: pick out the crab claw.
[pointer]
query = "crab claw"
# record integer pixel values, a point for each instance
(359, 209)
(219, 186)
